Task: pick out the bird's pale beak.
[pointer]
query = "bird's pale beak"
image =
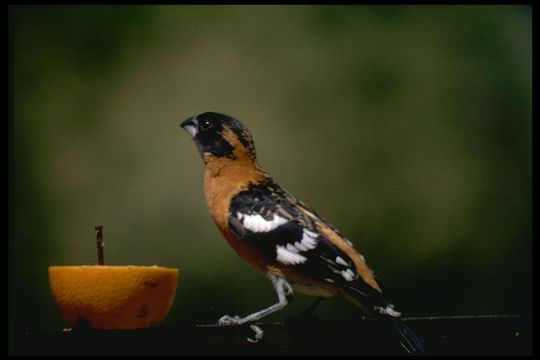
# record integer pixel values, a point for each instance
(191, 125)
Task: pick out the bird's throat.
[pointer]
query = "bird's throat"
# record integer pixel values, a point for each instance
(223, 179)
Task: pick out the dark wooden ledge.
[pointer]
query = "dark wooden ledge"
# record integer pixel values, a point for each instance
(461, 335)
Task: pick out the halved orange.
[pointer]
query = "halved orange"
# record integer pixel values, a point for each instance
(113, 297)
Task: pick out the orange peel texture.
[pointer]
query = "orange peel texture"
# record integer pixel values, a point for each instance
(113, 297)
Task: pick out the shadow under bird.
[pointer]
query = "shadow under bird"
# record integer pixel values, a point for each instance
(277, 233)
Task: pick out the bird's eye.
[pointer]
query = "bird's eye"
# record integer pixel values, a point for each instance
(206, 125)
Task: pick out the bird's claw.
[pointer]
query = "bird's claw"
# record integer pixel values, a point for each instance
(259, 333)
(227, 320)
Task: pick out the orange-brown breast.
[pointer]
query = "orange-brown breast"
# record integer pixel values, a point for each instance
(223, 179)
(252, 256)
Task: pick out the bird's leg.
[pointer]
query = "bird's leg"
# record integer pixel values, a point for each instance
(285, 295)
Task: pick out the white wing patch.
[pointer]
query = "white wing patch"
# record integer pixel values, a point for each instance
(286, 254)
(258, 224)
(341, 261)
(288, 257)
(290, 254)
(348, 274)
(309, 241)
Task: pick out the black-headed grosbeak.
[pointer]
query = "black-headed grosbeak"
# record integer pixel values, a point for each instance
(279, 234)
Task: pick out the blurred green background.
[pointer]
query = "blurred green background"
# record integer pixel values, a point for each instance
(407, 127)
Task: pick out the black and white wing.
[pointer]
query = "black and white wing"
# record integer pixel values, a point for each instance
(266, 217)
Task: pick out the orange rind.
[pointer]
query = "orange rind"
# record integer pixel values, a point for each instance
(113, 297)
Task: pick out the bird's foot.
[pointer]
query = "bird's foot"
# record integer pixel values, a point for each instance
(227, 320)
(259, 333)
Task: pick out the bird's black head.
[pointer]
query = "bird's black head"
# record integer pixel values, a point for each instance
(220, 136)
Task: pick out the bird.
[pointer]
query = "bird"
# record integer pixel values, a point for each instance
(278, 234)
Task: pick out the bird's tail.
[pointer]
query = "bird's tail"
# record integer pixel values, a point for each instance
(405, 335)
(371, 301)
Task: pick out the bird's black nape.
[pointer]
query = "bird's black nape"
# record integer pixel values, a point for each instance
(216, 117)
(240, 130)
